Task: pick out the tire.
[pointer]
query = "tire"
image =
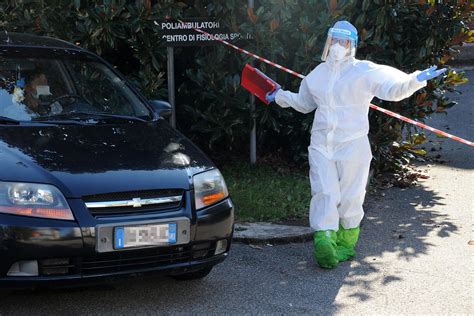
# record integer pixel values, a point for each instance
(195, 275)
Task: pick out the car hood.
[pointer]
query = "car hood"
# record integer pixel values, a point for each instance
(93, 159)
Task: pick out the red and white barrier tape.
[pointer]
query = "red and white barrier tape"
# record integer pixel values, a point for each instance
(373, 106)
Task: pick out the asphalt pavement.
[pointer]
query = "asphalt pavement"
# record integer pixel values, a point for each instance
(415, 255)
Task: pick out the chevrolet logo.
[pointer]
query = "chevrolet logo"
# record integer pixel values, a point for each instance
(136, 202)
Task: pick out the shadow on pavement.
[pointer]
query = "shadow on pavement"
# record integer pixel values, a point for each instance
(395, 225)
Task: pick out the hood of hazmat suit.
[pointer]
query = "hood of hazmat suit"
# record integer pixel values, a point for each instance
(341, 42)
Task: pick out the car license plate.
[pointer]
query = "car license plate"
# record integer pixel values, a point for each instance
(145, 235)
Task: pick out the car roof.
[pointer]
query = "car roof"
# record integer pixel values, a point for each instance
(13, 39)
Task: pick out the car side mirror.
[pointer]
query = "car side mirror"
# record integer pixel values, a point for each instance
(162, 108)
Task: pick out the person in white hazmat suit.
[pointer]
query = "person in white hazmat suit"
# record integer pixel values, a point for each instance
(340, 89)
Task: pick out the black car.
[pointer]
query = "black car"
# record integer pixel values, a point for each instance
(94, 182)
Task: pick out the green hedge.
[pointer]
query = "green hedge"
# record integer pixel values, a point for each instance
(212, 108)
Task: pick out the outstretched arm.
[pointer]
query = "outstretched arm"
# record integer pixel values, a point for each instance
(302, 101)
(390, 84)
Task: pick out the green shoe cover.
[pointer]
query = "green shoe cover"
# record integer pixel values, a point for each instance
(346, 241)
(325, 248)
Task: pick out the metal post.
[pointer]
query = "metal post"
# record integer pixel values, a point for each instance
(253, 132)
(171, 94)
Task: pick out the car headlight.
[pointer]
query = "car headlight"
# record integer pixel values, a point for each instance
(32, 199)
(209, 188)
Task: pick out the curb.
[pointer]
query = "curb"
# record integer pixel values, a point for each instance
(258, 233)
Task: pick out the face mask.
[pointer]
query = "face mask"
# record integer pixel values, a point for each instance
(337, 52)
(42, 90)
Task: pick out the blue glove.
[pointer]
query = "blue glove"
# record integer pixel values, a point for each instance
(430, 73)
(270, 97)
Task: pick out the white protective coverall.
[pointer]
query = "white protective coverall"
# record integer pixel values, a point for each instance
(339, 153)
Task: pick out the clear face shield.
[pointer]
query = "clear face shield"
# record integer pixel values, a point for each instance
(343, 42)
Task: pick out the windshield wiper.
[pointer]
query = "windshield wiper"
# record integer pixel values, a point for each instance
(9, 121)
(84, 116)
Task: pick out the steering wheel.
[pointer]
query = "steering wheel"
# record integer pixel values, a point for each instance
(66, 96)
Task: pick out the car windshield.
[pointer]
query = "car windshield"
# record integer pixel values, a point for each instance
(38, 87)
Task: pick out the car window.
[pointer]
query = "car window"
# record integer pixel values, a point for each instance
(25, 85)
(103, 89)
(32, 88)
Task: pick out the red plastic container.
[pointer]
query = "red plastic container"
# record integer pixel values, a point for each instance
(257, 83)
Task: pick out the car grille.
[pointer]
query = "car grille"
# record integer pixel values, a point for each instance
(56, 266)
(126, 261)
(131, 260)
(106, 204)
